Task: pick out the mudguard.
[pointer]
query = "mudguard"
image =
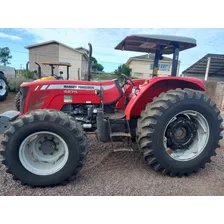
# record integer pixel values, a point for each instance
(154, 87)
(6, 118)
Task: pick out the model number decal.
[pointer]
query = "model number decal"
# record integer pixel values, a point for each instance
(80, 87)
(70, 91)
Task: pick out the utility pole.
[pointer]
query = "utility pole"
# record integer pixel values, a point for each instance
(207, 68)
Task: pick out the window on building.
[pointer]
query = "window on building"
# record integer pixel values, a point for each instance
(162, 67)
(137, 74)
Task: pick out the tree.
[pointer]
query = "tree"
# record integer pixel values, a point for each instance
(5, 55)
(123, 69)
(96, 66)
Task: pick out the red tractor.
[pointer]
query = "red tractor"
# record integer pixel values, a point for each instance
(174, 125)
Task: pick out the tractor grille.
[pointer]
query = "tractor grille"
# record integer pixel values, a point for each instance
(23, 92)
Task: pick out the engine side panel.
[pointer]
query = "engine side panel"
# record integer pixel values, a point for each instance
(154, 87)
(54, 94)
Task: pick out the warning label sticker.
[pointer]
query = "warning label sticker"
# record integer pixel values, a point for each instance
(68, 99)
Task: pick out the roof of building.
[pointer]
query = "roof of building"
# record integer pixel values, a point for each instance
(82, 48)
(147, 57)
(151, 43)
(56, 42)
(216, 65)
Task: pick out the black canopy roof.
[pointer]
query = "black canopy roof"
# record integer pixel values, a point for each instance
(57, 63)
(151, 43)
(216, 65)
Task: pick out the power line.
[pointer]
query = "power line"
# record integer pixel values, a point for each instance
(37, 54)
(215, 46)
(118, 63)
(68, 43)
(52, 56)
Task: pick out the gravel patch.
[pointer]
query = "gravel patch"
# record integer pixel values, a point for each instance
(125, 173)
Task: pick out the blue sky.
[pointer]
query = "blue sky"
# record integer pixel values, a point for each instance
(104, 41)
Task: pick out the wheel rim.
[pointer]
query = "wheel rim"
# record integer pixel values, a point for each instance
(186, 142)
(3, 87)
(43, 153)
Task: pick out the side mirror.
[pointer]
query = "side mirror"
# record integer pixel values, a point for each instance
(97, 91)
(161, 57)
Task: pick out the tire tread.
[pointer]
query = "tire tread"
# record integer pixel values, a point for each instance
(151, 115)
(54, 117)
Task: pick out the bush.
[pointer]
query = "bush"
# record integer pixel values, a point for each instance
(14, 84)
(30, 74)
(103, 77)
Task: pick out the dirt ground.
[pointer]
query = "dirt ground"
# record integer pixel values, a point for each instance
(122, 173)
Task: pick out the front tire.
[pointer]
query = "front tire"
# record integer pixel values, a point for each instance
(3, 87)
(44, 148)
(179, 132)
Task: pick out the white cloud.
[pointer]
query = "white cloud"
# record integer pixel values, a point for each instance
(12, 37)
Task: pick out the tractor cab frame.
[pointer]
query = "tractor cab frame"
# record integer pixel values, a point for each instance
(57, 64)
(52, 65)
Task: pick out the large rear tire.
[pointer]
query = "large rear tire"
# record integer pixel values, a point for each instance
(3, 87)
(44, 148)
(179, 132)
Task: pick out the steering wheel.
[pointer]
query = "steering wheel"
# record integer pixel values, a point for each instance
(127, 78)
(58, 77)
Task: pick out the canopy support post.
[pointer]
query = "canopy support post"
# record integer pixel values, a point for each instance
(156, 64)
(175, 60)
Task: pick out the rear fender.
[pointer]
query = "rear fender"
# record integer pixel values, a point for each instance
(154, 88)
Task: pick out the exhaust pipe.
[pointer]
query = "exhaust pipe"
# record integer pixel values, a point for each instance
(39, 70)
(27, 68)
(90, 62)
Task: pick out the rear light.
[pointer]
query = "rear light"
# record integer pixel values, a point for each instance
(23, 92)
(133, 90)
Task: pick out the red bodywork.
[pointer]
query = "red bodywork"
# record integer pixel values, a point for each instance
(127, 90)
(54, 94)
